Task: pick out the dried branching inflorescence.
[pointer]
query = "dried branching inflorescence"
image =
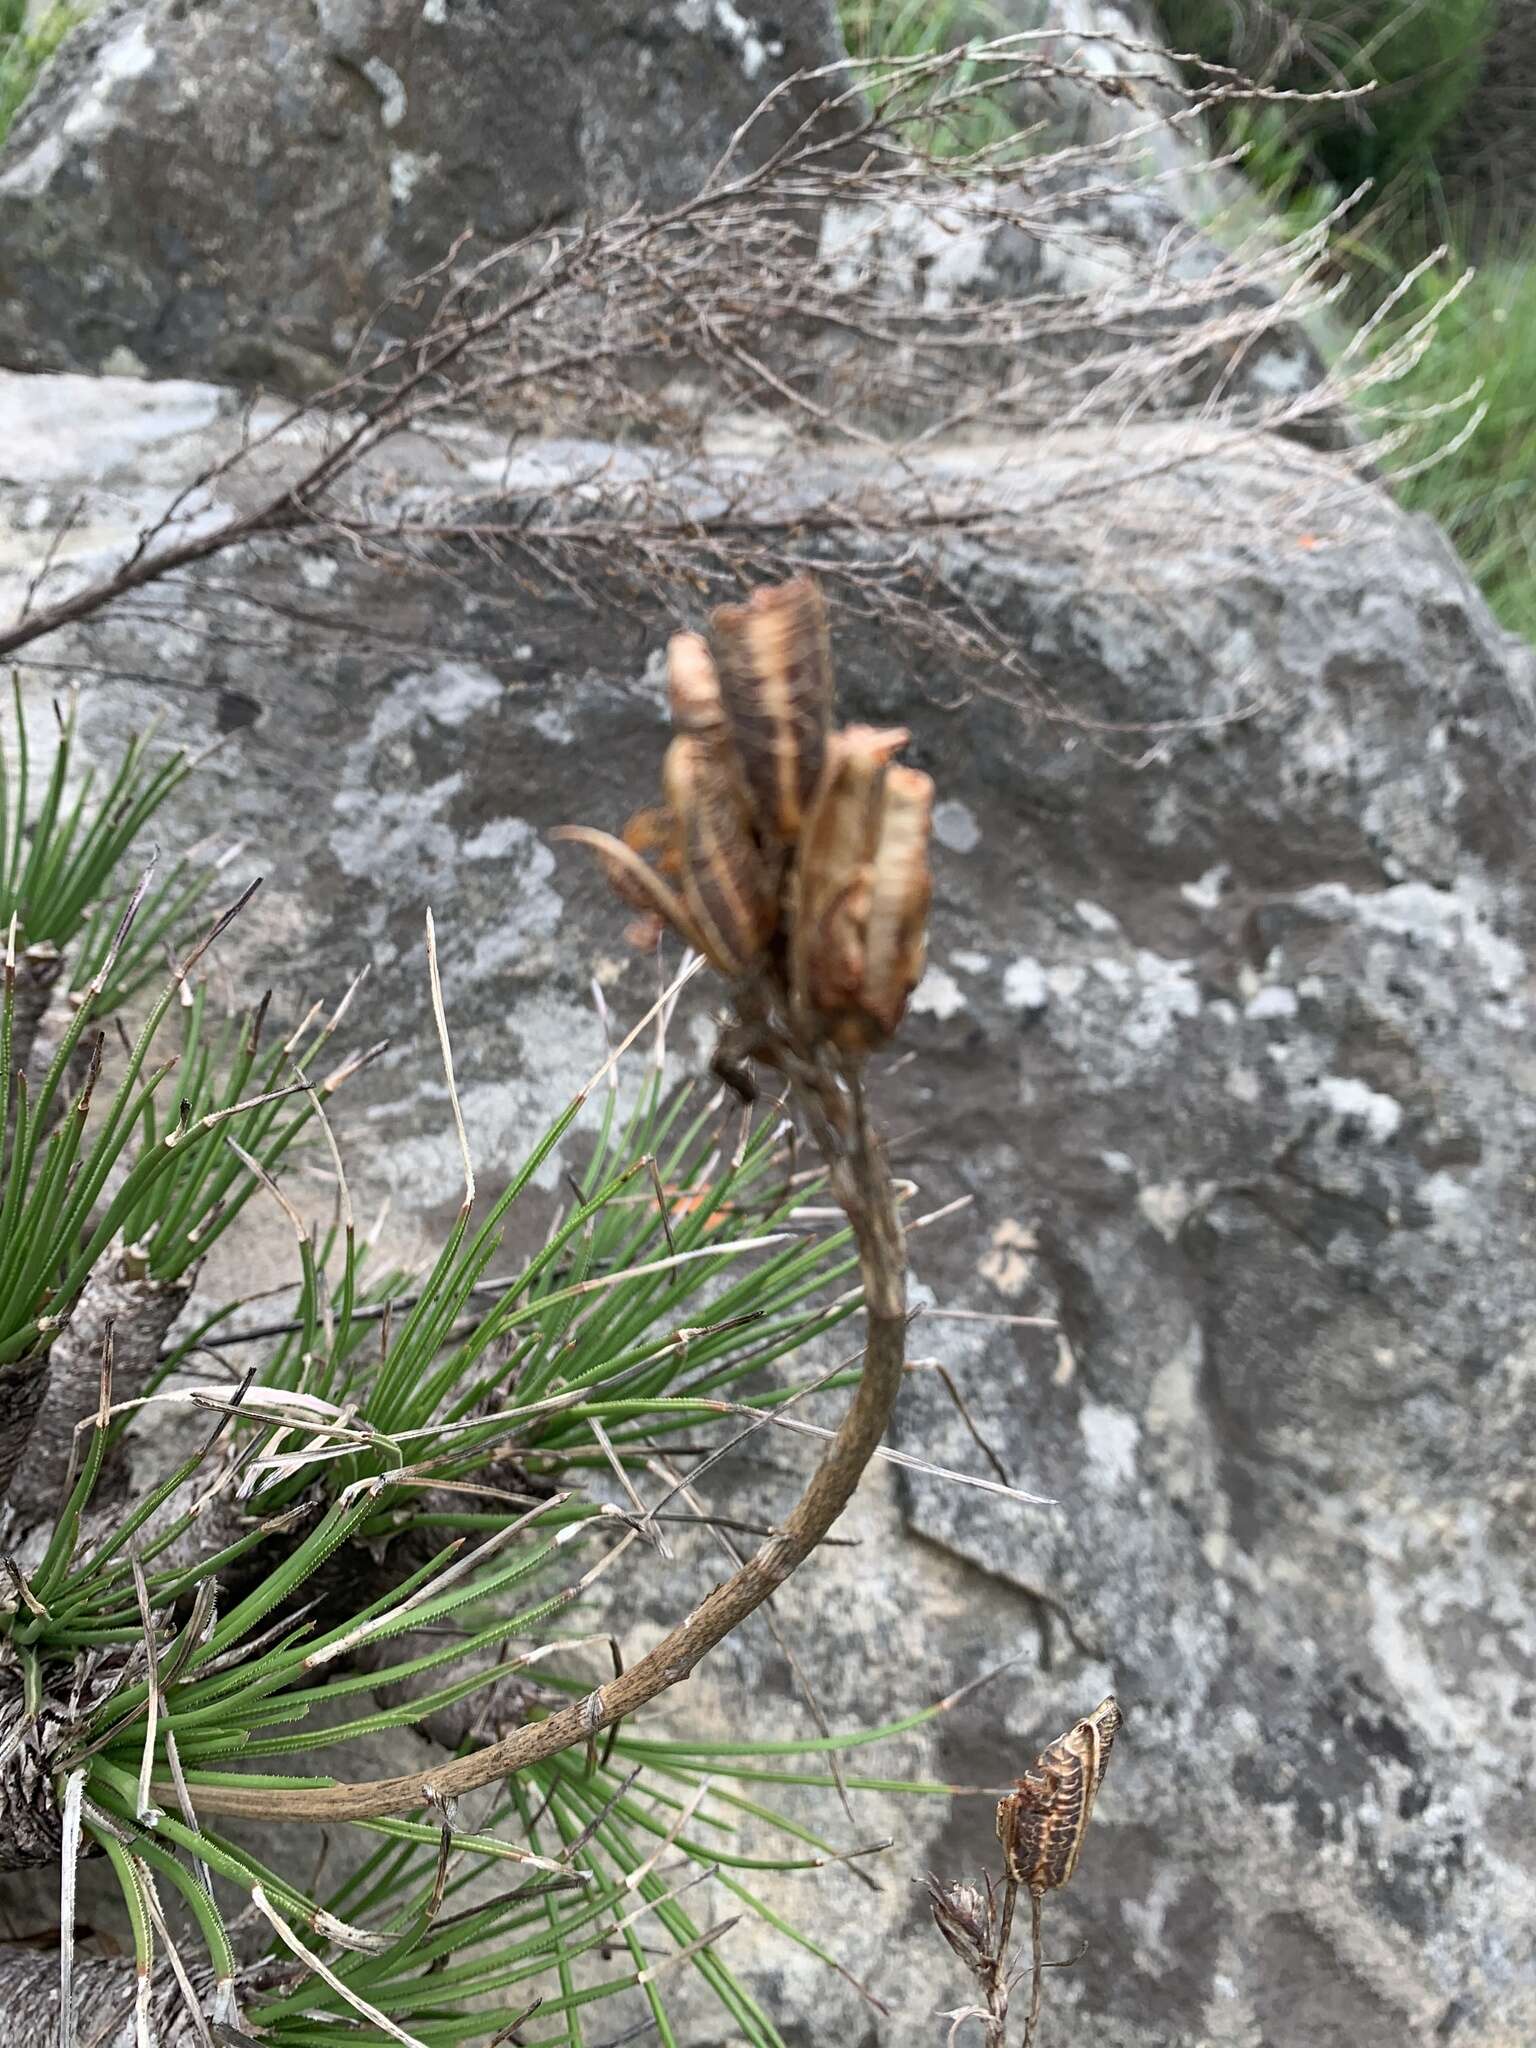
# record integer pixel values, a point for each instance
(1042, 1822)
(792, 855)
(1041, 1825)
(652, 324)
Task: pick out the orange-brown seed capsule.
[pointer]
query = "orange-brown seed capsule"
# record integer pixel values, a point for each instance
(637, 884)
(835, 871)
(693, 688)
(774, 660)
(896, 924)
(727, 886)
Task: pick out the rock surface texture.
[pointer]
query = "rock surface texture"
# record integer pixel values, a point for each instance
(236, 190)
(1227, 1030)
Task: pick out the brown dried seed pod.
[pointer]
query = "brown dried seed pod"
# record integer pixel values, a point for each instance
(1042, 1822)
(962, 1916)
(774, 659)
(835, 871)
(834, 878)
(727, 886)
(693, 687)
(896, 923)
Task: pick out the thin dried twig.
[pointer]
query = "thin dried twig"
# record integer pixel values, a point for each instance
(654, 320)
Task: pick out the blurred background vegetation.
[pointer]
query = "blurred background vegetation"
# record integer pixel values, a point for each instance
(1468, 453)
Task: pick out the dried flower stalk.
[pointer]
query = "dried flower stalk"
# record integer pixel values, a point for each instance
(795, 858)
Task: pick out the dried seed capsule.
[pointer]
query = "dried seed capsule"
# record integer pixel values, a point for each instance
(654, 834)
(896, 922)
(693, 688)
(1042, 1822)
(727, 885)
(962, 1916)
(834, 872)
(774, 659)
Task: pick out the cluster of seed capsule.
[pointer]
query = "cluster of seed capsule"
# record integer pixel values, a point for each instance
(792, 854)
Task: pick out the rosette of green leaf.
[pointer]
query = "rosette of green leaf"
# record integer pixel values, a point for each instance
(408, 1951)
(404, 1950)
(60, 849)
(643, 1828)
(62, 1201)
(686, 1261)
(224, 1069)
(260, 1099)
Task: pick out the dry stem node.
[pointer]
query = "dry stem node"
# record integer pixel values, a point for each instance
(795, 859)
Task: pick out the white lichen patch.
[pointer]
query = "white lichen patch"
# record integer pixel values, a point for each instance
(28, 176)
(1353, 1100)
(389, 825)
(1168, 992)
(1271, 1004)
(1173, 1399)
(389, 86)
(1025, 986)
(559, 1045)
(378, 830)
(1206, 893)
(720, 17)
(930, 254)
(1110, 1438)
(407, 168)
(120, 361)
(551, 723)
(1443, 919)
(123, 57)
(1166, 1205)
(1009, 1263)
(1095, 916)
(969, 962)
(955, 826)
(1452, 1209)
(938, 995)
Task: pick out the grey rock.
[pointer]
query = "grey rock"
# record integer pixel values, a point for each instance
(211, 192)
(234, 191)
(1226, 1033)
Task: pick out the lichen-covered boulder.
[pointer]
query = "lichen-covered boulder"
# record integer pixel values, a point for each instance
(1227, 1033)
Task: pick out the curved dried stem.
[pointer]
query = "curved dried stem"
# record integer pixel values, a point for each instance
(832, 1099)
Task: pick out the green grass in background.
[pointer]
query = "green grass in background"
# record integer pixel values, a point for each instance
(1419, 58)
(1469, 405)
(887, 31)
(24, 51)
(1477, 476)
